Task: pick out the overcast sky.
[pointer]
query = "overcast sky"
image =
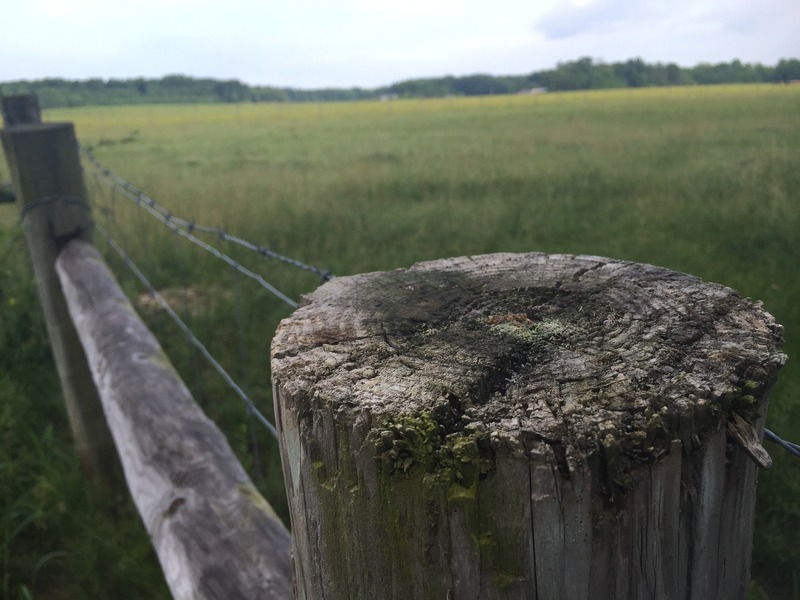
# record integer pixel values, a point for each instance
(368, 43)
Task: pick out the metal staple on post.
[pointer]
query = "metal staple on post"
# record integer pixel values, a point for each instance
(49, 200)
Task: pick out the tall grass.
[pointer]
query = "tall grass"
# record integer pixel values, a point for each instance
(702, 180)
(61, 537)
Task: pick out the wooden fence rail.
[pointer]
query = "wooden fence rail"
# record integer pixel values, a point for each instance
(215, 535)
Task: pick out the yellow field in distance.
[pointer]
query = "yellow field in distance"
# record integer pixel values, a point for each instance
(97, 121)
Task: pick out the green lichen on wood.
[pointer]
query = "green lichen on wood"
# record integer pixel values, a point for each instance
(616, 464)
(419, 442)
(408, 441)
(257, 501)
(745, 400)
(162, 361)
(548, 329)
(451, 470)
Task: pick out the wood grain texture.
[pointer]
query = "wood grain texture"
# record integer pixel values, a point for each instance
(522, 426)
(215, 535)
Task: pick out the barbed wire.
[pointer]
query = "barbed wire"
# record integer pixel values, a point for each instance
(251, 407)
(105, 205)
(165, 216)
(166, 220)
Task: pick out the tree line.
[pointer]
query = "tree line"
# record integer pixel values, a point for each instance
(582, 74)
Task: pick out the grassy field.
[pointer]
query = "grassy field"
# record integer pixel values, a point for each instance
(701, 180)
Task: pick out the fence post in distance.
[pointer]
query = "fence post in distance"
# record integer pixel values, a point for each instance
(46, 173)
(19, 110)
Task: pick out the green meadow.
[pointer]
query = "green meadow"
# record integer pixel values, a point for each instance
(704, 180)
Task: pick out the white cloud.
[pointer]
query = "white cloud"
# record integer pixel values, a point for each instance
(625, 17)
(67, 8)
(371, 42)
(412, 9)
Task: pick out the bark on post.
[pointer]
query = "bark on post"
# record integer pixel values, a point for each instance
(523, 426)
(46, 171)
(215, 535)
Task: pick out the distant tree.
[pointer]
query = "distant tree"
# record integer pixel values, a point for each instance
(267, 94)
(230, 91)
(584, 73)
(673, 74)
(787, 70)
(176, 81)
(604, 77)
(94, 85)
(633, 72)
(477, 85)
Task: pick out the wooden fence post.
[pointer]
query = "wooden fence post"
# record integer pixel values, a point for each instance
(523, 426)
(46, 172)
(17, 110)
(21, 110)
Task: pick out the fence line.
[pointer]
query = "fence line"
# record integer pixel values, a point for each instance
(253, 413)
(168, 218)
(251, 408)
(185, 229)
(187, 484)
(790, 447)
(144, 202)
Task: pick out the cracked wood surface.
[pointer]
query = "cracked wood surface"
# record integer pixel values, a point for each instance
(523, 426)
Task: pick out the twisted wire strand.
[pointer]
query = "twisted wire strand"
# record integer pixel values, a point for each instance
(144, 202)
(251, 407)
(190, 226)
(790, 447)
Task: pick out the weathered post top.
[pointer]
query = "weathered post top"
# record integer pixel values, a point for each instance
(20, 109)
(542, 396)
